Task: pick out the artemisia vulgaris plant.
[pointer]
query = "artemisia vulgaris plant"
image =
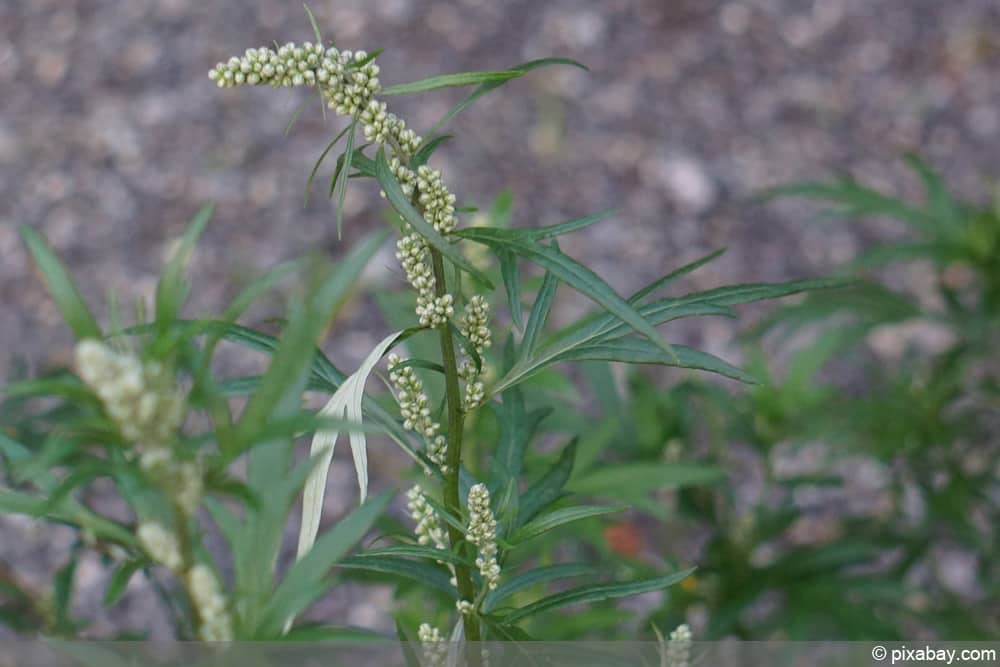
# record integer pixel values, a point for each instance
(145, 407)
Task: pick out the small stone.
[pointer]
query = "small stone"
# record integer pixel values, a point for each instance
(685, 179)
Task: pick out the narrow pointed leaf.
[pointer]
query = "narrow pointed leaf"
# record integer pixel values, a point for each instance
(319, 161)
(559, 517)
(636, 479)
(60, 286)
(512, 284)
(577, 276)
(539, 314)
(304, 581)
(549, 488)
(424, 573)
(171, 290)
(341, 187)
(596, 593)
(493, 85)
(457, 79)
(536, 576)
(641, 351)
(426, 150)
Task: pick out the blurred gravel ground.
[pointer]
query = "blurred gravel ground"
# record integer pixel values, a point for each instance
(111, 137)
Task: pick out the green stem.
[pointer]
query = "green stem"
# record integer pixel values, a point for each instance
(452, 500)
(187, 556)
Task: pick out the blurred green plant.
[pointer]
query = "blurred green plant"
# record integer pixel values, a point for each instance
(789, 554)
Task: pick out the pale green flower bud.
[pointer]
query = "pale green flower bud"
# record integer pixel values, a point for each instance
(679, 647)
(160, 545)
(482, 532)
(428, 529)
(435, 649)
(210, 605)
(142, 400)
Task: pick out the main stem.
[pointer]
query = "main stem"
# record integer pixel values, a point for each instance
(456, 419)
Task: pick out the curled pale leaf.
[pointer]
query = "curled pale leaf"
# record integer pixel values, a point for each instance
(344, 404)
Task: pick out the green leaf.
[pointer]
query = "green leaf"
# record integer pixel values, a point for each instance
(67, 511)
(539, 313)
(512, 284)
(538, 575)
(457, 79)
(171, 290)
(559, 517)
(488, 235)
(426, 574)
(356, 64)
(636, 479)
(596, 593)
(341, 185)
(602, 327)
(517, 427)
(641, 351)
(60, 286)
(402, 205)
(575, 275)
(119, 580)
(426, 150)
(62, 593)
(415, 551)
(316, 632)
(549, 488)
(304, 581)
(324, 375)
(854, 199)
(674, 275)
(524, 68)
(312, 22)
(319, 161)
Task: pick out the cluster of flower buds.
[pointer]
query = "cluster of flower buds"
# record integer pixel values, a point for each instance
(210, 605)
(435, 649)
(160, 545)
(432, 310)
(142, 399)
(381, 127)
(679, 647)
(436, 201)
(147, 407)
(348, 80)
(414, 406)
(429, 529)
(474, 325)
(413, 402)
(181, 480)
(203, 588)
(482, 532)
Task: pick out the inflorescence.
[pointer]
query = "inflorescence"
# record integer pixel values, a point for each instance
(349, 82)
(145, 403)
(482, 533)
(414, 406)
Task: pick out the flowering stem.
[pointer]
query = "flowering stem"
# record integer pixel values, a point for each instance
(452, 501)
